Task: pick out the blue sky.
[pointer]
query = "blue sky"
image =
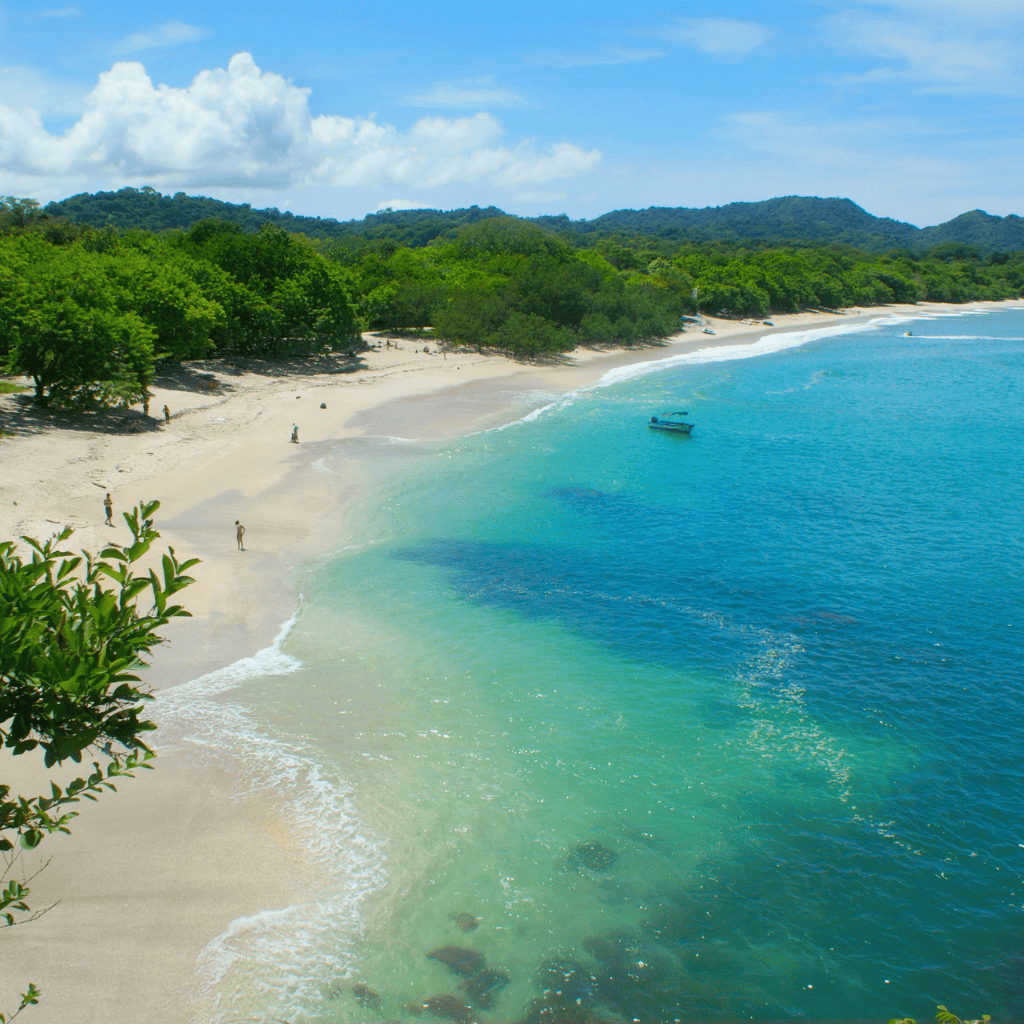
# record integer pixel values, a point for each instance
(912, 108)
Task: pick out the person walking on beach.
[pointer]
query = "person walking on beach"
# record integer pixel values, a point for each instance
(239, 534)
(108, 509)
(295, 433)
(167, 415)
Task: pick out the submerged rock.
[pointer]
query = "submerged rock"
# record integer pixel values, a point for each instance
(566, 978)
(467, 922)
(482, 987)
(449, 1006)
(459, 960)
(365, 995)
(552, 1009)
(612, 948)
(592, 856)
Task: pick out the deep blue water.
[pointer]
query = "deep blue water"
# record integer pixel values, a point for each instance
(774, 668)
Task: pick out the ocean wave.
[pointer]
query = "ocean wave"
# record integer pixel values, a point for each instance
(278, 962)
(271, 661)
(765, 345)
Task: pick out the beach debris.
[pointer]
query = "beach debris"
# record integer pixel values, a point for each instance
(323, 405)
(449, 1006)
(467, 922)
(298, 396)
(458, 960)
(592, 856)
(482, 987)
(365, 995)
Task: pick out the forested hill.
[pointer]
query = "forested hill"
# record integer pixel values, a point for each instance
(148, 209)
(791, 220)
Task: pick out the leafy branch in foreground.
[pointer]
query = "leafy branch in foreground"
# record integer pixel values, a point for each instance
(71, 645)
(29, 998)
(943, 1017)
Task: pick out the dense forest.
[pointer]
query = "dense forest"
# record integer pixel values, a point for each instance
(790, 220)
(88, 311)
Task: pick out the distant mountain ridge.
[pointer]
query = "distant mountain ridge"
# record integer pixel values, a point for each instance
(792, 220)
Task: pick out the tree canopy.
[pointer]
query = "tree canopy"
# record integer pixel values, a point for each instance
(87, 311)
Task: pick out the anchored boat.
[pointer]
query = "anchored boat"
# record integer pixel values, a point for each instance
(672, 422)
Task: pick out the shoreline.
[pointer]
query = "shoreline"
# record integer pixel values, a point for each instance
(151, 876)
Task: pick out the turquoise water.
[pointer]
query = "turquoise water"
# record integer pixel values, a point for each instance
(772, 669)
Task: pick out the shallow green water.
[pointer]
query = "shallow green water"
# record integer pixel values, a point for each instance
(772, 670)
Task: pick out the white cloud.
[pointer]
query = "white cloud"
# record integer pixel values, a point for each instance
(170, 33)
(972, 9)
(615, 55)
(935, 56)
(242, 127)
(470, 92)
(721, 37)
(956, 47)
(22, 86)
(402, 204)
(64, 12)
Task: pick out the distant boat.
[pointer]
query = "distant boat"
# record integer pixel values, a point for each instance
(672, 422)
(707, 330)
(768, 323)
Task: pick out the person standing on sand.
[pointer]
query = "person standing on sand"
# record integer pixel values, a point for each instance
(167, 415)
(295, 433)
(239, 534)
(108, 509)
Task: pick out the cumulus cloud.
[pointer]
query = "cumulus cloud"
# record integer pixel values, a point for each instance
(470, 92)
(241, 126)
(170, 33)
(721, 37)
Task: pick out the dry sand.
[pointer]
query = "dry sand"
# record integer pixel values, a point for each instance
(151, 875)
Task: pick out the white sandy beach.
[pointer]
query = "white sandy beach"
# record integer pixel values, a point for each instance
(152, 874)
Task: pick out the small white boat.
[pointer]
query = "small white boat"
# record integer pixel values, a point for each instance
(672, 422)
(707, 330)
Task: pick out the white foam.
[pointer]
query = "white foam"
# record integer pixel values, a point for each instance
(271, 661)
(276, 961)
(765, 345)
(559, 403)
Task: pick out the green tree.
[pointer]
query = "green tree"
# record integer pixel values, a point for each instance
(297, 299)
(65, 328)
(71, 645)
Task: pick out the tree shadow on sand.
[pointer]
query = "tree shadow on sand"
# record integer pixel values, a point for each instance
(20, 416)
(207, 375)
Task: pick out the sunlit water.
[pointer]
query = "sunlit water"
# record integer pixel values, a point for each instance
(773, 670)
